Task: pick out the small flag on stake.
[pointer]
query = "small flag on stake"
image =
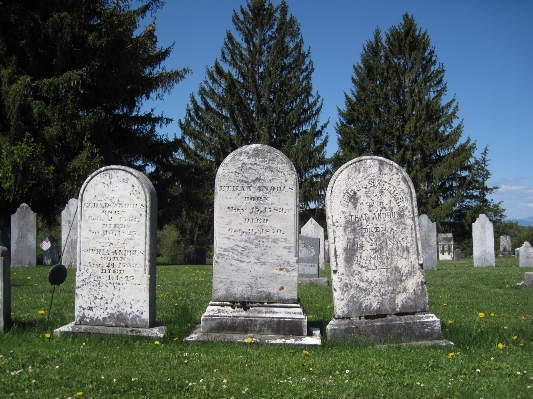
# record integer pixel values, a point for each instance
(46, 244)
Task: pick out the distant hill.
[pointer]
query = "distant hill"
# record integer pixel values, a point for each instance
(523, 222)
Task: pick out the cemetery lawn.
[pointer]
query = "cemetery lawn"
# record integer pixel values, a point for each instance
(482, 310)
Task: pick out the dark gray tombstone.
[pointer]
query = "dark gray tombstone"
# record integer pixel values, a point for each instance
(308, 251)
(255, 263)
(483, 242)
(457, 254)
(428, 240)
(445, 246)
(51, 255)
(196, 257)
(115, 278)
(379, 286)
(505, 246)
(24, 237)
(69, 233)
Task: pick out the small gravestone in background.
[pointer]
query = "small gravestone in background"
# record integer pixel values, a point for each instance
(483, 241)
(457, 255)
(4, 250)
(526, 255)
(445, 246)
(517, 252)
(5, 290)
(528, 280)
(196, 257)
(428, 240)
(308, 266)
(379, 286)
(313, 229)
(51, 255)
(24, 237)
(505, 246)
(115, 279)
(255, 263)
(69, 233)
(326, 251)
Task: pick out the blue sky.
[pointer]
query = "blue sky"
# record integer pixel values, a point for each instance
(486, 48)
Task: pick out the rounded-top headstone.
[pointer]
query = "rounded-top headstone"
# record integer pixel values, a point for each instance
(374, 233)
(117, 226)
(256, 227)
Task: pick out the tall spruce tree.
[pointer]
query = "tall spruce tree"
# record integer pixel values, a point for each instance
(397, 110)
(260, 92)
(73, 77)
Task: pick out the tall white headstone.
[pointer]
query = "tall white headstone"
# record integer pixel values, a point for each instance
(483, 241)
(24, 237)
(313, 229)
(255, 269)
(379, 286)
(69, 233)
(115, 279)
(428, 240)
(526, 255)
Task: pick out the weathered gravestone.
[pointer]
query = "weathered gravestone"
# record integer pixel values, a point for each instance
(51, 255)
(379, 286)
(505, 246)
(528, 280)
(24, 237)
(526, 255)
(483, 241)
(308, 263)
(115, 279)
(457, 255)
(69, 233)
(5, 295)
(428, 241)
(313, 229)
(445, 246)
(255, 269)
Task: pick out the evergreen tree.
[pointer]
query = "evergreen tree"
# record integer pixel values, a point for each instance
(260, 92)
(397, 110)
(475, 200)
(73, 76)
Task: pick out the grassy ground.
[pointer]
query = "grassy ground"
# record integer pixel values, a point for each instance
(493, 356)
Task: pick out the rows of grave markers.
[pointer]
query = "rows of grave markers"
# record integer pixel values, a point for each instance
(381, 247)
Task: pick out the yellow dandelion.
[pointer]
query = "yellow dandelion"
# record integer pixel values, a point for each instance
(505, 327)
(41, 311)
(521, 344)
(515, 337)
(507, 286)
(500, 346)
(450, 321)
(29, 277)
(47, 335)
(523, 317)
(79, 393)
(156, 342)
(444, 304)
(451, 355)
(175, 339)
(305, 352)
(481, 314)
(492, 314)
(248, 340)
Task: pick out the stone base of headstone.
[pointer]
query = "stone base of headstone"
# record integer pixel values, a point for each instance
(80, 330)
(314, 280)
(528, 280)
(417, 329)
(272, 323)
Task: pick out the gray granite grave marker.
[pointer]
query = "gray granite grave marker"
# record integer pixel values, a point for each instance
(428, 241)
(379, 286)
(445, 246)
(115, 279)
(505, 246)
(457, 255)
(24, 237)
(526, 255)
(313, 229)
(528, 280)
(69, 233)
(51, 255)
(255, 269)
(308, 263)
(483, 241)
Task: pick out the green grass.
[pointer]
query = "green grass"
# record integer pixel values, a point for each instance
(34, 366)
